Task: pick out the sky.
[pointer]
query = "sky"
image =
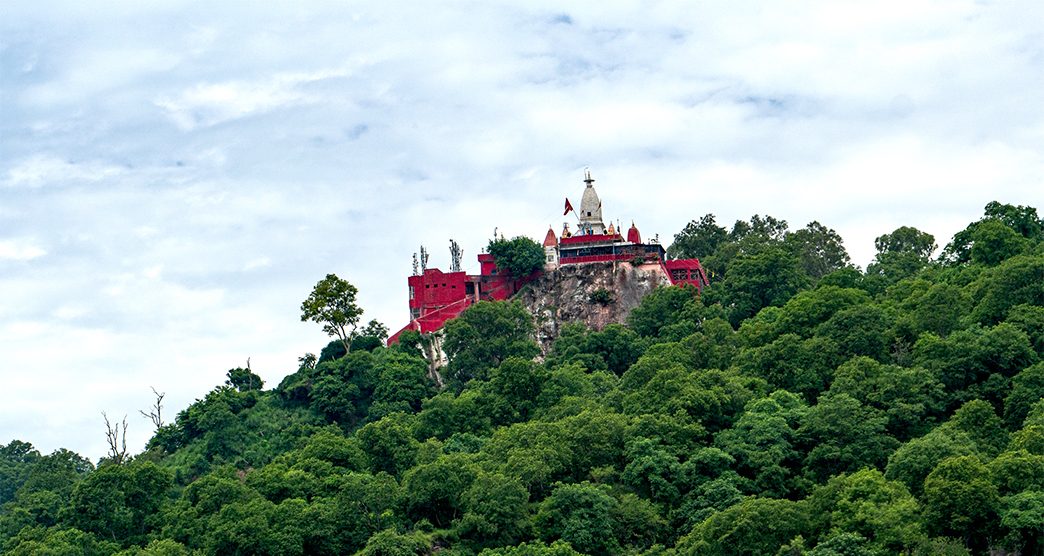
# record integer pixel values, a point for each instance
(176, 176)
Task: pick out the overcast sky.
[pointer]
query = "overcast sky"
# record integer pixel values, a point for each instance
(176, 176)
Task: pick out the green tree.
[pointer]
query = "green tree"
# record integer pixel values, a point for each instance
(393, 543)
(912, 462)
(763, 442)
(243, 379)
(880, 511)
(961, 501)
(402, 384)
(518, 256)
(820, 249)
(485, 335)
(698, 239)
(371, 336)
(389, 443)
(1020, 219)
(115, 501)
(1017, 470)
(1022, 515)
(341, 389)
(332, 304)
(859, 330)
(801, 315)
(753, 527)
(843, 436)
(901, 253)
(158, 547)
(535, 548)
(651, 471)
(365, 505)
(582, 515)
(514, 388)
(979, 421)
(993, 242)
(843, 544)
(665, 309)
(939, 310)
(434, 491)
(34, 541)
(910, 397)
(790, 363)
(495, 510)
(766, 276)
(16, 458)
(1027, 388)
(1016, 281)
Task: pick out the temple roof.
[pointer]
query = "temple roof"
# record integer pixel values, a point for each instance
(591, 205)
(632, 234)
(550, 240)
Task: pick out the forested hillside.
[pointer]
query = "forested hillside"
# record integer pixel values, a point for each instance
(799, 406)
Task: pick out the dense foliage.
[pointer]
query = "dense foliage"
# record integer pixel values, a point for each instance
(518, 257)
(800, 406)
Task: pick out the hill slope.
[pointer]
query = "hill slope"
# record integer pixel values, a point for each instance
(797, 406)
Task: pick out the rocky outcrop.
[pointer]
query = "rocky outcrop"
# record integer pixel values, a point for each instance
(597, 294)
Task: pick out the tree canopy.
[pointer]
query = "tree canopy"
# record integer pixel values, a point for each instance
(518, 256)
(332, 304)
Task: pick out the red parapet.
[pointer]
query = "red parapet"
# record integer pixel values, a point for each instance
(594, 238)
(686, 271)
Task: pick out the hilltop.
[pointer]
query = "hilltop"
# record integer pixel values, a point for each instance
(796, 405)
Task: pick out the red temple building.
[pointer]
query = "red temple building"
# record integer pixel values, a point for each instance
(437, 297)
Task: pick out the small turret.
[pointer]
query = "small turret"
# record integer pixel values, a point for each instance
(632, 234)
(551, 249)
(550, 240)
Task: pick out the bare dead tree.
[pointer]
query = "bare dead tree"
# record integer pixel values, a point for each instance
(116, 439)
(155, 413)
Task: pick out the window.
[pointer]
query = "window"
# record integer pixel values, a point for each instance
(411, 293)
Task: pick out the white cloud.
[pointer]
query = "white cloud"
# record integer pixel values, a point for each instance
(208, 104)
(46, 170)
(20, 250)
(260, 262)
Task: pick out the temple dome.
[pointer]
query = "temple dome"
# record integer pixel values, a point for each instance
(632, 234)
(550, 240)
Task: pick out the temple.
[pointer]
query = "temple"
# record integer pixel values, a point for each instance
(437, 297)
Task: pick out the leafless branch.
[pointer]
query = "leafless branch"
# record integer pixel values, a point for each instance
(155, 413)
(116, 439)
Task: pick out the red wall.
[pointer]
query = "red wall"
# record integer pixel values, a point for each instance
(435, 289)
(686, 271)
